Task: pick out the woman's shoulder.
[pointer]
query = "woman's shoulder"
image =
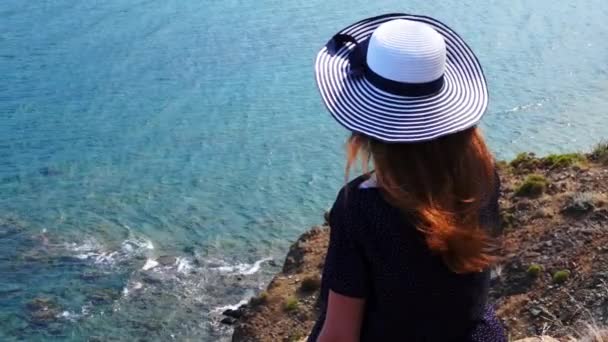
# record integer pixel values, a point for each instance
(353, 191)
(363, 182)
(355, 197)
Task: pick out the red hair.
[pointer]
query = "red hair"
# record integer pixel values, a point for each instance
(441, 184)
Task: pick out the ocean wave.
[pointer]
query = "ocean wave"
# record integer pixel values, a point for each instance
(70, 316)
(184, 265)
(525, 107)
(130, 287)
(221, 309)
(242, 268)
(91, 249)
(150, 264)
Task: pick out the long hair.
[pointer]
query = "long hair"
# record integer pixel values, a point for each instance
(441, 185)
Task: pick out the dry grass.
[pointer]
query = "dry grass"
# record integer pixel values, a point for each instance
(593, 333)
(600, 153)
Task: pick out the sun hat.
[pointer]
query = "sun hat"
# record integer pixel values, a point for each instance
(401, 78)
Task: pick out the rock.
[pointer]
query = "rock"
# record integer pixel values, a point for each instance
(90, 276)
(228, 321)
(44, 317)
(41, 303)
(600, 215)
(238, 313)
(103, 296)
(9, 228)
(535, 312)
(326, 218)
(577, 208)
(189, 250)
(580, 203)
(42, 311)
(541, 213)
(523, 204)
(151, 278)
(166, 260)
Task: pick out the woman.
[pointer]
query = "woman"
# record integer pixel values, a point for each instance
(411, 242)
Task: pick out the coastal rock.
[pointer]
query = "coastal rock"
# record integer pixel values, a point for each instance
(537, 232)
(10, 226)
(151, 278)
(234, 313)
(42, 311)
(103, 296)
(166, 260)
(41, 303)
(228, 321)
(90, 276)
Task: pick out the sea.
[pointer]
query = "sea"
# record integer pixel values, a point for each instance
(157, 158)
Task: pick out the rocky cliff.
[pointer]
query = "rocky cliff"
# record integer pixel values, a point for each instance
(552, 278)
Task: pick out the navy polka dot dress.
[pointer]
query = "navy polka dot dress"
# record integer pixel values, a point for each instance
(374, 253)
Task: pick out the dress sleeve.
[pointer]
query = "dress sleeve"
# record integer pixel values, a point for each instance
(346, 270)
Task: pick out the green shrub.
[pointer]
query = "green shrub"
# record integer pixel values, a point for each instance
(554, 161)
(600, 153)
(502, 165)
(534, 185)
(507, 220)
(525, 161)
(534, 270)
(295, 337)
(310, 284)
(262, 298)
(291, 304)
(561, 276)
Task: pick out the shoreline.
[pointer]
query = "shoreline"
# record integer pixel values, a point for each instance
(551, 278)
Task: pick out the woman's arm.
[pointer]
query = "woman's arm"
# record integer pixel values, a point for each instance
(343, 319)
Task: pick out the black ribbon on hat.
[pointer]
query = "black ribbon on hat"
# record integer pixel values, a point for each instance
(358, 68)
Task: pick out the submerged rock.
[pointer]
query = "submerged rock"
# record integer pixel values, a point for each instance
(103, 296)
(151, 278)
(9, 227)
(90, 276)
(41, 303)
(166, 260)
(42, 311)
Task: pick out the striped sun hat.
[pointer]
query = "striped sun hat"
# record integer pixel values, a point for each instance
(401, 78)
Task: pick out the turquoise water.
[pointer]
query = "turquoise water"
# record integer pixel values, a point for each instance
(131, 130)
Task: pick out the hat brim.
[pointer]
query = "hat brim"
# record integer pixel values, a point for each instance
(360, 107)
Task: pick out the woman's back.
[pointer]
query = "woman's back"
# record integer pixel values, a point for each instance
(376, 253)
(408, 260)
